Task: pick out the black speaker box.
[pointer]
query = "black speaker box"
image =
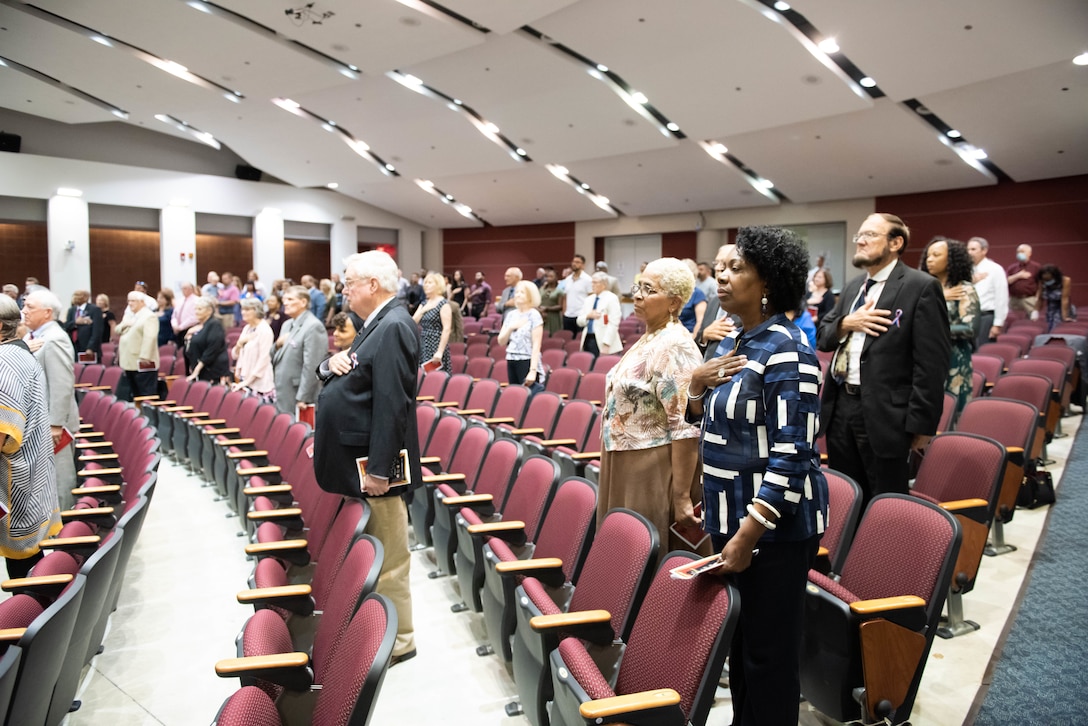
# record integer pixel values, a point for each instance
(10, 142)
(247, 173)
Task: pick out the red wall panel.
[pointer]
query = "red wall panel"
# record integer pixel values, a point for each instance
(25, 252)
(302, 257)
(493, 249)
(120, 258)
(678, 245)
(223, 253)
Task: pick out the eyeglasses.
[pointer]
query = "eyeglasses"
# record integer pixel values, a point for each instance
(350, 281)
(644, 289)
(868, 236)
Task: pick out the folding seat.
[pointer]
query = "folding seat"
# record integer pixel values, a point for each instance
(1074, 328)
(458, 363)
(496, 351)
(1038, 391)
(485, 493)
(479, 367)
(211, 435)
(457, 391)
(524, 508)
(310, 629)
(167, 412)
(613, 579)
(267, 485)
(482, 398)
(209, 409)
(571, 429)
(944, 423)
(40, 625)
(580, 360)
(572, 347)
(1013, 425)
(1023, 342)
(563, 381)
(426, 417)
(867, 636)
(150, 405)
(476, 350)
(989, 366)
(1061, 352)
(978, 383)
(90, 376)
(664, 673)
(604, 363)
(554, 357)
(436, 458)
(1055, 371)
(199, 426)
(564, 335)
(552, 344)
(1005, 351)
(961, 473)
(500, 372)
(166, 365)
(844, 508)
(109, 354)
(456, 348)
(539, 417)
(572, 460)
(433, 385)
(555, 554)
(350, 678)
(509, 407)
(249, 436)
(240, 452)
(591, 387)
(109, 379)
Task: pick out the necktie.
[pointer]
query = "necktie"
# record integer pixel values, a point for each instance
(842, 356)
(589, 328)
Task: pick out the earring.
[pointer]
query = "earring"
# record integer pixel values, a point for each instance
(763, 306)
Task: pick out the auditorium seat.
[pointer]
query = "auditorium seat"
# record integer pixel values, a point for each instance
(843, 511)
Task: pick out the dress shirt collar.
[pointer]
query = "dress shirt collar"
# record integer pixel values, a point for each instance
(369, 318)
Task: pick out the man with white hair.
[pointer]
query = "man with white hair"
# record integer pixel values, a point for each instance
(52, 347)
(600, 318)
(992, 289)
(366, 413)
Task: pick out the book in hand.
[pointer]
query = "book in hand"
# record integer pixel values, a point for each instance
(696, 567)
(399, 474)
(87, 356)
(147, 365)
(65, 439)
(691, 535)
(431, 365)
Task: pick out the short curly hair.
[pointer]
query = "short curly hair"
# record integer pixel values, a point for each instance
(781, 261)
(676, 278)
(959, 262)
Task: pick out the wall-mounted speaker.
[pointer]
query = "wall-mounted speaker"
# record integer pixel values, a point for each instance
(247, 173)
(10, 142)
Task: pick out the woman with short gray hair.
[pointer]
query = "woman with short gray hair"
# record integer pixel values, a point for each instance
(253, 353)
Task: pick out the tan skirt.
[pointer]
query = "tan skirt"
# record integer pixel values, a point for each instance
(641, 481)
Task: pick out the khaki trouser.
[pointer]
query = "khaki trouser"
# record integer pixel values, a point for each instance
(389, 524)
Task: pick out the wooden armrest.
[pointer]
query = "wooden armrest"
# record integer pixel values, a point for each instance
(100, 516)
(468, 500)
(823, 552)
(960, 504)
(254, 453)
(566, 620)
(446, 404)
(527, 431)
(232, 442)
(208, 422)
(595, 402)
(11, 635)
(611, 709)
(442, 478)
(273, 514)
(296, 598)
(88, 435)
(496, 527)
(85, 426)
(160, 403)
(98, 457)
(585, 455)
(175, 409)
(548, 570)
(471, 411)
(61, 542)
(93, 444)
(115, 471)
(99, 388)
(558, 442)
(284, 545)
(227, 430)
(906, 611)
(424, 398)
(82, 385)
(424, 460)
(290, 670)
(141, 399)
(193, 414)
(255, 470)
(89, 491)
(46, 586)
(265, 491)
(499, 420)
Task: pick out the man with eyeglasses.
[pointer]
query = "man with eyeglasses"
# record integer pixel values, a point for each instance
(884, 391)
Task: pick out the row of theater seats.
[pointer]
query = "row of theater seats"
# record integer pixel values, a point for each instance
(55, 620)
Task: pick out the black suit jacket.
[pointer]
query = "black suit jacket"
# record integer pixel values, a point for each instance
(371, 410)
(87, 337)
(903, 370)
(208, 345)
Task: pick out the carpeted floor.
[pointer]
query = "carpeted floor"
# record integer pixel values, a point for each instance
(1040, 676)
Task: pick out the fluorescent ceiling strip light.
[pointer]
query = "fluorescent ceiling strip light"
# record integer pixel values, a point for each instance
(359, 146)
(563, 174)
(202, 136)
(62, 86)
(718, 151)
(461, 208)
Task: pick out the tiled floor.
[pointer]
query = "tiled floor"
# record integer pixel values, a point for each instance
(178, 616)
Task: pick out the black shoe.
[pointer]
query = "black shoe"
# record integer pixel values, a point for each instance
(402, 657)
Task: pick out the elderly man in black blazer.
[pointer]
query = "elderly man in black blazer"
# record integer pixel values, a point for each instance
(367, 408)
(84, 323)
(884, 391)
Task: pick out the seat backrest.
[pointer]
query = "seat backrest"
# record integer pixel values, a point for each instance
(357, 665)
(194, 395)
(948, 410)
(110, 377)
(1074, 328)
(1009, 422)
(843, 510)
(91, 374)
(511, 403)
(1030, 387)
(457, 389)
(258, 427)
(574, 421)
(1022, 342)
(531, 493)
(245, 413)
(617, 569)
(434, 383)
(356, 578)
(1005, 351)
(347, 527)
(978, 383)
(581, 360)
(458, 362)
(663, 650)
(960, 465)
(426, 418)
(591, 386)
(542, 411)
(988, 365)
(604, 363)
(1052, 369)
(552, 344)
(563, 381)
(903, 546)
(567, 528)
(444, 437)
(1033, 327)
(468, 456)
(554, 357)
(479, 367)
(213, 401)
(497, 470)
(476, 350)
(1061, 352)
(485, 392)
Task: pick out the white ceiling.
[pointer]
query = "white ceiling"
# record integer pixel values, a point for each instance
(999, 71)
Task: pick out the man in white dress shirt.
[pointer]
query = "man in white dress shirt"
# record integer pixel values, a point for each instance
(992, 289)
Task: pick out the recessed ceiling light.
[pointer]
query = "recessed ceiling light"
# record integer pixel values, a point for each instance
(491, 127)
(639, 97)
(102, 40)
(954, 134)
(1081, 60)
(719, 148)
(671, 126)
(781, 6)
(867, 82)
(979, 154)
(333, 185)
(602, 68)
(829, 46)
(69, 192)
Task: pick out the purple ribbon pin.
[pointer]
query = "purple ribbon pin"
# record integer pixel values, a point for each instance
(898, 315)
(355, 359)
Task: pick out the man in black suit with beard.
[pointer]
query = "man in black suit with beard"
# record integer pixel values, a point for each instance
(367, 407)
(884, 390)
(84, 323)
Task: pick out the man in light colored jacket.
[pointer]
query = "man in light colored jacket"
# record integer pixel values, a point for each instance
(138, 346)
(600, 318)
